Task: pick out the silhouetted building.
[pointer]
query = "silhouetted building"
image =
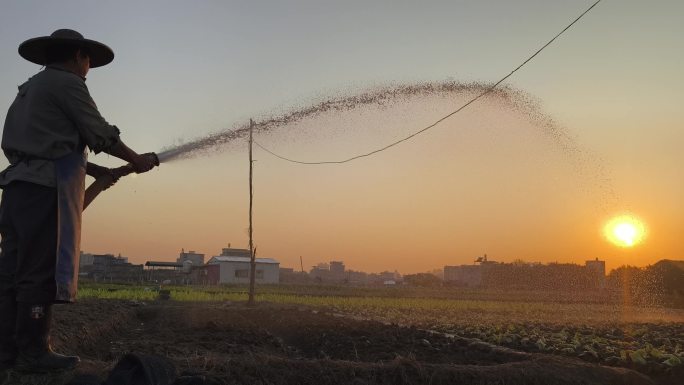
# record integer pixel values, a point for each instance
(333, 272)
(321, 273)
(205, 275)
(599, 269)
(109, 268)
(86, 259)
(464, 275)
(357, 277)
(289, 275)
(528, 276)
(337, 270)
(165, 272)
(385, 276)
(196, 258)
(230, 252)
(237, 269)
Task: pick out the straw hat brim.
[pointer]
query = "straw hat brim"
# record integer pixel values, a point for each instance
(35, 50)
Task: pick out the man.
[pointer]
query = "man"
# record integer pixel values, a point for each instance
(48, 127)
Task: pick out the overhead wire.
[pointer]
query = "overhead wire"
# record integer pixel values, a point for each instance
(471, 101)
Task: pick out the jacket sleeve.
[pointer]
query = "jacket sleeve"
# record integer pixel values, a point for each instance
(80, 108)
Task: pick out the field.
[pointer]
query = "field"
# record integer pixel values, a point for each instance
(342, 335)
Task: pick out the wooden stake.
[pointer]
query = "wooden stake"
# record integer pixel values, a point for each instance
(252, 253)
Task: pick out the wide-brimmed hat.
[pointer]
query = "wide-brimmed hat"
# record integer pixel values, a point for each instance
(35, 50)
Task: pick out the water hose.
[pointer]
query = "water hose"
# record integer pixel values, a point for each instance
(103, 182)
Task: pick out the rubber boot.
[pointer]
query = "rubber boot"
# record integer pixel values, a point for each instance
(33, 341)
(8, 347)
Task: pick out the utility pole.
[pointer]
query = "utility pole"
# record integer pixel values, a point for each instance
(252, 264)
(301, 263)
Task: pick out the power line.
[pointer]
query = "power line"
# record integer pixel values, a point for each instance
(471, 101)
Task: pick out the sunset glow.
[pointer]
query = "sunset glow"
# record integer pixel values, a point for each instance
(543, 168)
(625, 231)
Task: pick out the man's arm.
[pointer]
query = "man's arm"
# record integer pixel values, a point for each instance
(94, 129)
(96, 171)
(140, 162)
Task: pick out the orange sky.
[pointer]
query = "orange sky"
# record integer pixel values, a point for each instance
(485, 181)
(489, 181)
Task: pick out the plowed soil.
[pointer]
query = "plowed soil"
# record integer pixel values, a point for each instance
(275, 344)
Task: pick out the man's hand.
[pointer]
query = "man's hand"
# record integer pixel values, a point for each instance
(145, 162)
(140, 162)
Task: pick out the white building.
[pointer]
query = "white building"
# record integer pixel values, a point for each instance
(234, 269)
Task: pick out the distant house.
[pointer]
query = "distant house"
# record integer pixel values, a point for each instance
(528, 276)
(196, 259)
(337, 270)
(86, 259)
(231, 252)
(599, 270)
(235, 269)
(162, 271)
(464, 275)
(107, 267)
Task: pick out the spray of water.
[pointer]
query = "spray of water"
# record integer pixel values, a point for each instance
(508, 97)
(504, 97)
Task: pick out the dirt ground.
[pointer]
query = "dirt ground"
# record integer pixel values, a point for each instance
(275, 344)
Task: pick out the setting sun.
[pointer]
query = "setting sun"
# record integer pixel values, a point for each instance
(625, 231)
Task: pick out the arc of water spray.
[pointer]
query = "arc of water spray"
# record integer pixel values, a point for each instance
(350, 102)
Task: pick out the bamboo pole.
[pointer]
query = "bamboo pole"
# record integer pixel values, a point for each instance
(252, 253)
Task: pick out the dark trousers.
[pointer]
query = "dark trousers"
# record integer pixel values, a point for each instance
(28, 225)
